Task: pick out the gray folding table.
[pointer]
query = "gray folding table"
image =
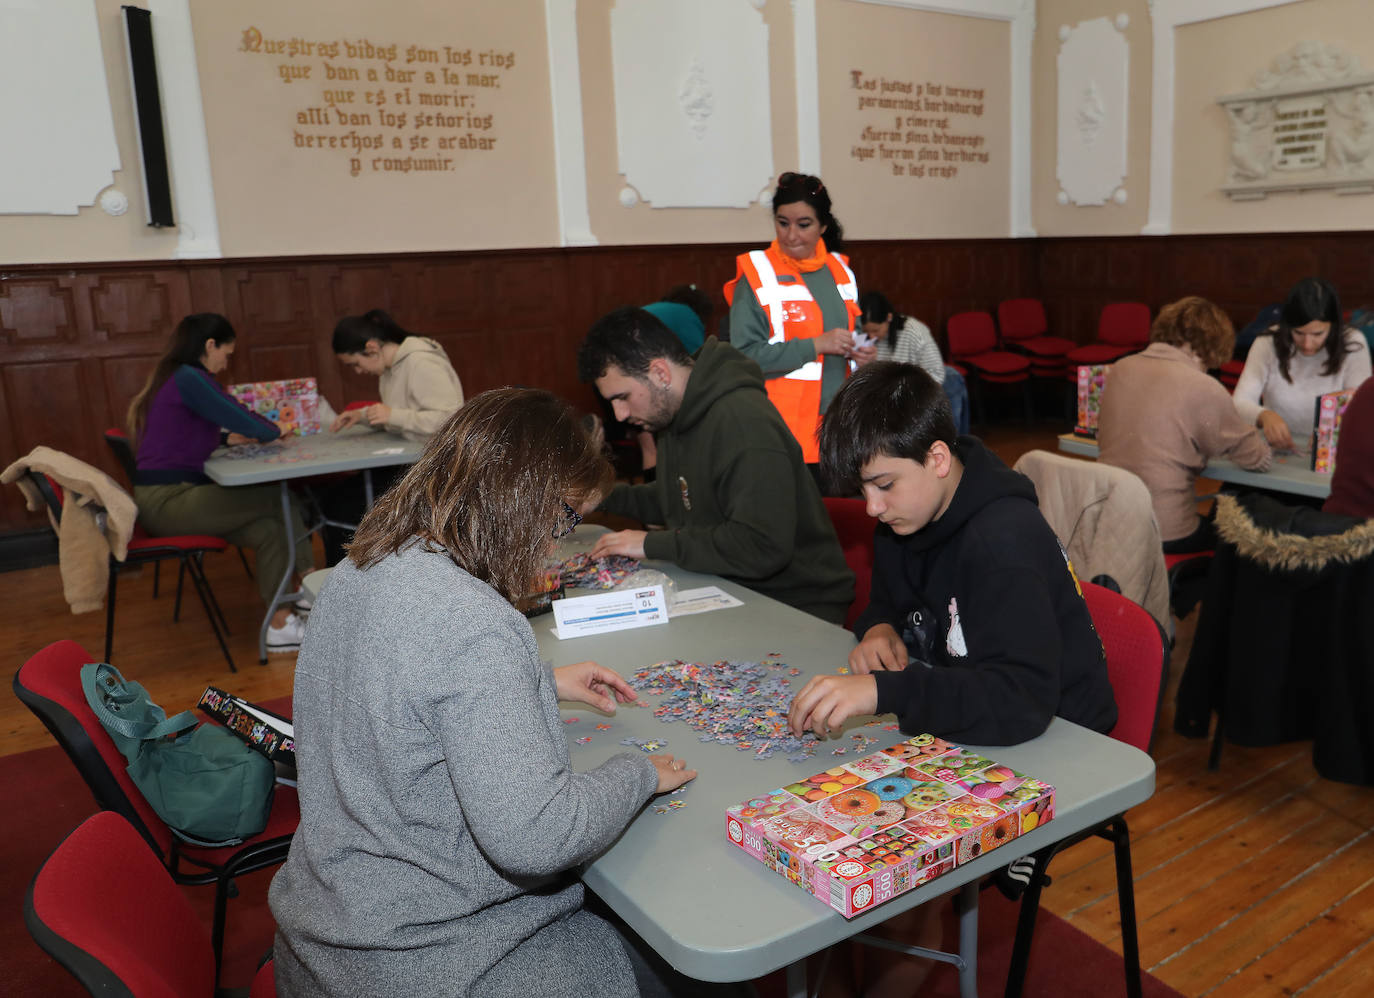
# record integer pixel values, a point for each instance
(707, 907)
(292, 458)
(1291, 473)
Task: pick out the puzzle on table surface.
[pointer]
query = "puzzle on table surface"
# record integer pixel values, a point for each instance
(253, 452)
(582, 571)
(1326, 429)
(743, 704)
(293, 404)
(862, 833)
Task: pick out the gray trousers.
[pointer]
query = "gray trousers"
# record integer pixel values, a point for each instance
(249, 516)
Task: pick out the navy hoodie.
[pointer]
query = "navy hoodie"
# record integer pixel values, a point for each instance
(989, 608)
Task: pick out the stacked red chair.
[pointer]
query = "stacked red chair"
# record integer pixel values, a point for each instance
(1025, 328)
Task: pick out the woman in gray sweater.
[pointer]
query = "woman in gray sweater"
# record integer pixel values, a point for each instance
(440, 815)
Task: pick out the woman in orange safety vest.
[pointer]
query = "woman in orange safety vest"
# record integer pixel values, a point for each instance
(798, 322)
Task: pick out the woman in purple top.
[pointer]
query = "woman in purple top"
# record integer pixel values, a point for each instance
(177, 420)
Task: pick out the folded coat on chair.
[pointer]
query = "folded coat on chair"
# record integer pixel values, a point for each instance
(1104, 518)
(84, 548)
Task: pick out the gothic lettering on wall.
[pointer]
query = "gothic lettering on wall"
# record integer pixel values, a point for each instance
(924, 130)
(381, 106)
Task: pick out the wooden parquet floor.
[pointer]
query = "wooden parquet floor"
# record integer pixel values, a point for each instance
(1254, 880)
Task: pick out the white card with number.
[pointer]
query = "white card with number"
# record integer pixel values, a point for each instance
(617, 610)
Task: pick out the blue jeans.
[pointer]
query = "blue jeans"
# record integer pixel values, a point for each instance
(958, 398)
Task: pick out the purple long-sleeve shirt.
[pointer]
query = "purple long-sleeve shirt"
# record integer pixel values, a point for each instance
(184, 423)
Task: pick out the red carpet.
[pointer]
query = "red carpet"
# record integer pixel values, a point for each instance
(44, 799)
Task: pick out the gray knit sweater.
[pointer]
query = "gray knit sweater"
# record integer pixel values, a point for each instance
(439, 809)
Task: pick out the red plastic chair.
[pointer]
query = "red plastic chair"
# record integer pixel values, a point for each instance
(1230, 373)
(1137, 662)
(1024, 327)
(79, 908)
(118, 442)
(973, 345)
(49, 684)
(854, 527)
(188, 549)
(1122, 328)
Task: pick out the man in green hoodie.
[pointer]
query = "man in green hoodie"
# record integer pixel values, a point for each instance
(731, 488)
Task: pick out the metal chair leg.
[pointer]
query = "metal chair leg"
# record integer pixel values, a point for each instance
(214, 603)
(202, 587)
(181, 576)
(157, 576)
(1125, 891)
(1025, 925)
(244, 558)
(110, 586)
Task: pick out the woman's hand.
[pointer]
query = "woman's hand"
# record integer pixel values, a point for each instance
(863, 355)
(880, 650)
(594, 685)
(346, 419)
(1275, 430)
(834, 341)
(672, 773)
(378, 414)
(237, 439)
(826, 702)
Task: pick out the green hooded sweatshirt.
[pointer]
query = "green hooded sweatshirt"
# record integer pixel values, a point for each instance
(735, 496)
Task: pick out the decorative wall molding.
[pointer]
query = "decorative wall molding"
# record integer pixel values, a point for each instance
(61, 150)
(1307, 125)
(569, 149)
(1166, 16)
(1094, 91)
(694, 122)
(188, 143)
(1021, 14)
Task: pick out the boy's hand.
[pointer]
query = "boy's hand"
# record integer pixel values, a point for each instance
(629, 543)
(880, 650)
(672, 773)
(826, 702)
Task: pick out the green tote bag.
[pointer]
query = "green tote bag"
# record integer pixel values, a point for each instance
(207, 785)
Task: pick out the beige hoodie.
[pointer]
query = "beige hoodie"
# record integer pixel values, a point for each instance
(421, 389)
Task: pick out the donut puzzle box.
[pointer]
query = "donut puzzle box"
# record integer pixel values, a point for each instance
(293, 405)
(864, 832)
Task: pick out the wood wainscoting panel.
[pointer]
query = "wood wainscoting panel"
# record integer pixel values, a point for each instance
(77, 340)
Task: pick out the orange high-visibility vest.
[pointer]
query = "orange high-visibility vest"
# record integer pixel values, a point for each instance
(793, 314)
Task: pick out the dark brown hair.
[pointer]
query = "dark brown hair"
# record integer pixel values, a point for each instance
(185, 346)
(1198, 324)
(488, 489)
(1311, 300)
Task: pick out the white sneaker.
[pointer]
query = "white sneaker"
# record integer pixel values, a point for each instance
(286, 638)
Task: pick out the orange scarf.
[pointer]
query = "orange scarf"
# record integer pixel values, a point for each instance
(794, 266)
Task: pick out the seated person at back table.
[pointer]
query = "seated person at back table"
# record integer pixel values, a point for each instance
(1352, 484)
(420, 390)
(1309, 353)
(176, 422)
(976, 629)
(731, 487)
(1164, 417)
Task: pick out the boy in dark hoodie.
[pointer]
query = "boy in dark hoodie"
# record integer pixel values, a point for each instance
(731, 487)
(976, 629)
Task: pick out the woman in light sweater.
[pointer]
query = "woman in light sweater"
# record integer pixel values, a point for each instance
(907, 340)
(1164, 417)
(419, 389)
(441, 818)
(1307, 354)
(418, 385)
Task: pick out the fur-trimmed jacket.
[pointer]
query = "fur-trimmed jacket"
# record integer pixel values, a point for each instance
(1285, 637)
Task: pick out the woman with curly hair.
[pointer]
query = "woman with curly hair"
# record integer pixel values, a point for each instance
(1164, 417)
